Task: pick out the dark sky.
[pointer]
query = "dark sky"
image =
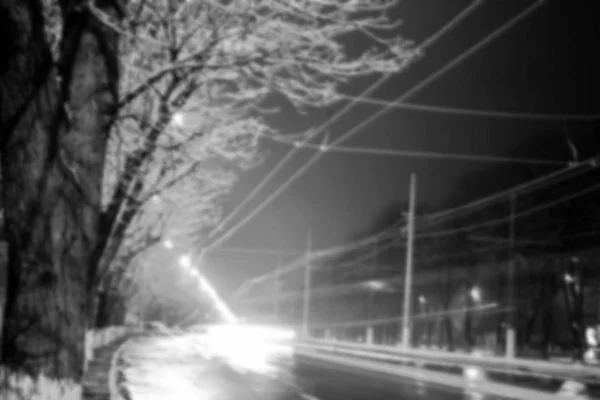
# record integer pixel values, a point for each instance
(545, 64)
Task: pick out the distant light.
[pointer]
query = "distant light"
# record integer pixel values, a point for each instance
(422, 299)
(376, 285)
(474, 373)
(168, 244)
(475, 294)
(185, 261)
(568, 278)
(155, 199)
(194, 273)
(178, 119)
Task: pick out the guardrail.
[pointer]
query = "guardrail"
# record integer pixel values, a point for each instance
(474, 367)
(541, 368)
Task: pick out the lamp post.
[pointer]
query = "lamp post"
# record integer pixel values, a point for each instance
(406, 323)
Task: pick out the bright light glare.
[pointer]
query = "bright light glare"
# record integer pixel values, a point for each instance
(185, 261)
(249, 348)
(178, 119)
(376, 285)
(475, 294)
(474, 373)
(224, 311)
(168, 244)
(422, 299)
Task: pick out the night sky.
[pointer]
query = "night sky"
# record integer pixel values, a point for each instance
(545, 64)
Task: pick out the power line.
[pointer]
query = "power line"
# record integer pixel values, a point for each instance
(498, 221)
(447, 67)
(426, 154)
(529, 186)
(489, 308)
(330, 251)
(545, 180)
(362, 258)
(246, 250)
(300, 262)
(472, 112)
(376, 85)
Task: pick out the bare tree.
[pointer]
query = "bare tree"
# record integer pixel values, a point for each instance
(161, 290)
(197, 75)
(55, 114)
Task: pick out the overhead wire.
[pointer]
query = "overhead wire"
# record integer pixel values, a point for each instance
(330, 251)
(362, 258)
(426, 154)
(424, 83)
(489, 308)
(247, 250)
(376, 85)
(526, 187)
(471, 112)
(498, 221)
(554, 177)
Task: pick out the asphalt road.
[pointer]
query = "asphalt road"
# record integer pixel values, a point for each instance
(330, 382)
(175, 367)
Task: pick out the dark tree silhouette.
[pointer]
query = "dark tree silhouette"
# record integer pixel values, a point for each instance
(54, 119)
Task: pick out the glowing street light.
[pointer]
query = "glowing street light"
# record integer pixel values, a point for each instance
(178, 119)
(185, 261)
(475, 294)
(422, 299)
(376, 285)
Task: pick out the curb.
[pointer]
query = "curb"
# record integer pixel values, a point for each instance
(116, 392)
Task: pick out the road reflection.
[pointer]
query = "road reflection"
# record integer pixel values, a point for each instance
(184, 367)
(330, 382)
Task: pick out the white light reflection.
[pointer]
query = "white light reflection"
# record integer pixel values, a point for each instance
(185, 261)
(168, 244)
(249, 348)
(224, 311)
(178, 119)
(475, 294)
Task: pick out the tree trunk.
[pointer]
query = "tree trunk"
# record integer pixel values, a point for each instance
(54, 134)
(111, 309)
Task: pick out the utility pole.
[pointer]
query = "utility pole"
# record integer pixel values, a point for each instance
(406, 323)
(510, 326)
(307, 284)
(277, 287)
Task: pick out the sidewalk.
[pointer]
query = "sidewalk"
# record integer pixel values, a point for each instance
(96, 378)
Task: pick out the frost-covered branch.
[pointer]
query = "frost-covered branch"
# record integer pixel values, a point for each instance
(195, 77)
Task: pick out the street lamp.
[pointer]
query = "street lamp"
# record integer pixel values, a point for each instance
(475, 294)
(185, 261)
(178, 119)
(376, 286)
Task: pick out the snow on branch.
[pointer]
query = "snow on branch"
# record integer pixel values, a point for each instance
(195, 75)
